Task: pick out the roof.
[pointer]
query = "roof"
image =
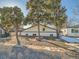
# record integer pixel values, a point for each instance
(75, 26)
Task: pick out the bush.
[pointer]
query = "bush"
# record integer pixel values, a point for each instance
(51, 38)
(4, 35)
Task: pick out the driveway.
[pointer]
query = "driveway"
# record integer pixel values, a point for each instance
(69, 39)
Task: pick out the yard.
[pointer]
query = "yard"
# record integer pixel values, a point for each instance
(46, 49)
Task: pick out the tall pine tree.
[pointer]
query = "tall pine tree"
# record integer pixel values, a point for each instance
(40, 10)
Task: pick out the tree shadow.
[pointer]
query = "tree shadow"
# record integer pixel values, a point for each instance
(17, 52)
(27, 53)
(22, 52)
(4, 55)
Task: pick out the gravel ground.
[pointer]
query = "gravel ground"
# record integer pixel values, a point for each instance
(21, 52)
(9, 50)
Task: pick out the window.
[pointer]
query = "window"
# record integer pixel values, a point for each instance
(34, 34)
(51, 35)
(43, 29)
(74, 30)
(27, 35)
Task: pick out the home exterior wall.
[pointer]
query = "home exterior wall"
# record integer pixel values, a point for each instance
(41, 33)
(64, 31)
(69, 32)
(34, 30)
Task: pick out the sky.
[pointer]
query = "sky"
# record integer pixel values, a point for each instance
(72, 7)
(11, 3)
(72, 12)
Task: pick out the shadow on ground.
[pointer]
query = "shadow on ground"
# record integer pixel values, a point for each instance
(22, 52)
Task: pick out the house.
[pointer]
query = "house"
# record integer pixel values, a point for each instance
(3, 33)
(44, 31)
(71, 31)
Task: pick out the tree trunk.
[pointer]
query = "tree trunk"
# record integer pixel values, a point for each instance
(18, 42)
(39, 30)
(58, 31)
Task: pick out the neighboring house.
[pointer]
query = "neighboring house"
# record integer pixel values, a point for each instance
(71, 31)
(44, 31)
(3, 34)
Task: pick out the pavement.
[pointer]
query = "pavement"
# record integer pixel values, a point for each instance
(69, 39)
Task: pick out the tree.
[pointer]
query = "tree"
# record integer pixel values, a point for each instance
(38, 12)
(12, 17)
(61, 20)
(16, 20)
(41, 10)
(5, 18)
(57, 14)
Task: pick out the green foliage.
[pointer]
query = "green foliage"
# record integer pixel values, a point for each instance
(51, 38)
(17, 16)
(5, 18)
(44, 10)
(38, 11)
(8, 20)
(11, 17)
